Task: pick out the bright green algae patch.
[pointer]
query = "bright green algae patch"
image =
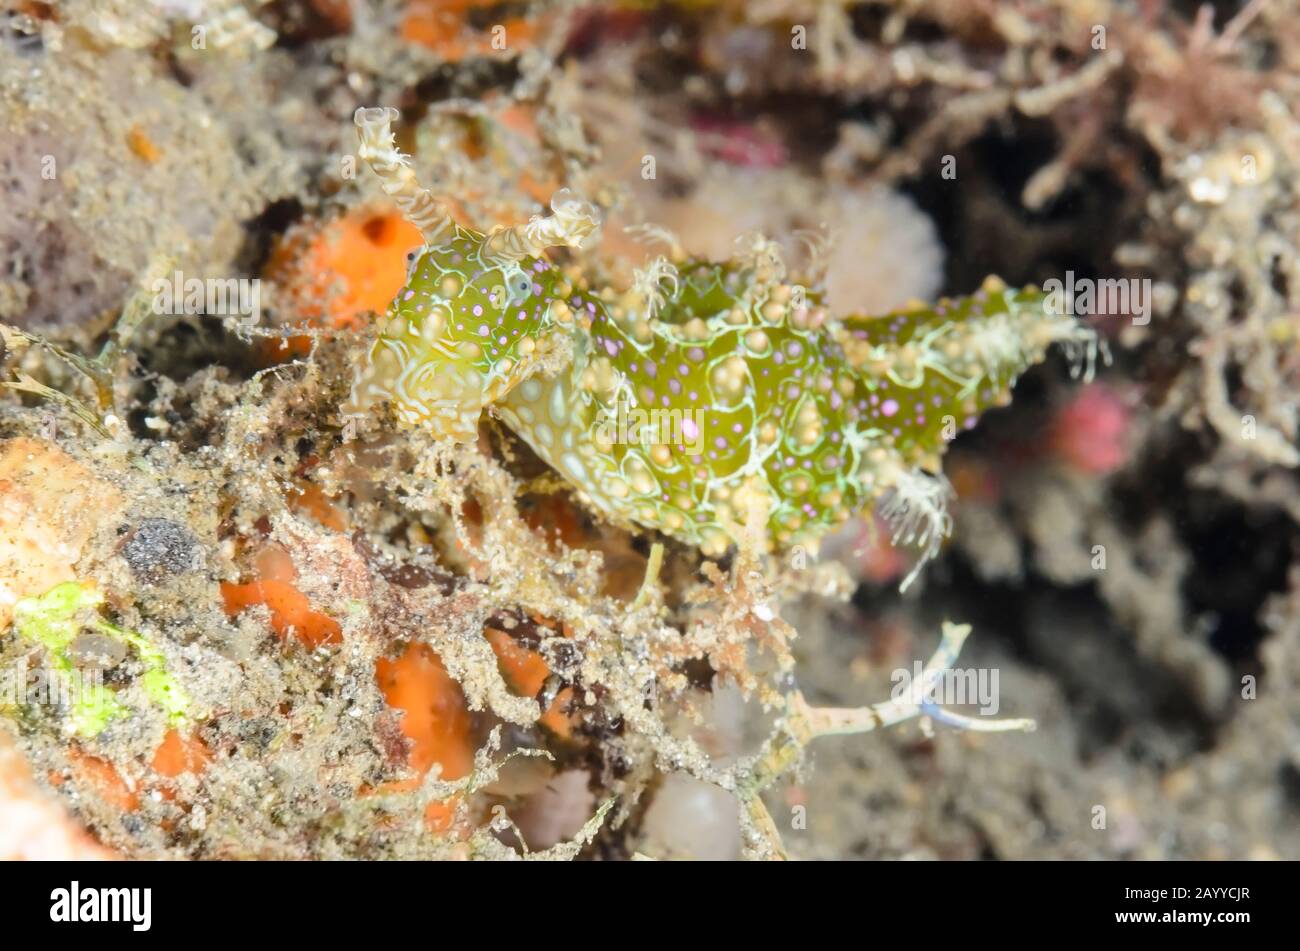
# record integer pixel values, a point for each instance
(55, 619)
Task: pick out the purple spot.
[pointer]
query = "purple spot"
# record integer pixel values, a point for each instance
(889, 407)
(611, 348)
(478, 310)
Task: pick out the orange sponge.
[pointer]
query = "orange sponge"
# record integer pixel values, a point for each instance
(290, 609)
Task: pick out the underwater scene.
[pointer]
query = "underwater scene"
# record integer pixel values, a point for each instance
(715, 430)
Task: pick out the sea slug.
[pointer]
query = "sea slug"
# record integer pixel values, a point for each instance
(707, 399)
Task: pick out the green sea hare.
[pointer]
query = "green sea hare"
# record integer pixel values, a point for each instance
(706, 400)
